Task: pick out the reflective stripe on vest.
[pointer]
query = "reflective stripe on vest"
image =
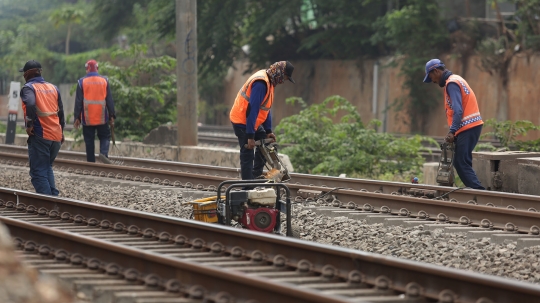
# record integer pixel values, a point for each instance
(471, 113)
(94, 104)
(47, 110)
(238, 114)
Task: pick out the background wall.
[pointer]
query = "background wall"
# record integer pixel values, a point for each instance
(316, 80)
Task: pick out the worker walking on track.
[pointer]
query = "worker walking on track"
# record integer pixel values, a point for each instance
(463, 117)
(44, 123)
(251, 115)
(94, 108)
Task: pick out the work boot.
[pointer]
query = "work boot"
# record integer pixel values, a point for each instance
(104, 159)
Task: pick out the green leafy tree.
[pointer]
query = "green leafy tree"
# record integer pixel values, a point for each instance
(529, 27)
(68, 15)
(417, 34)
(321, 146)
(143, 89)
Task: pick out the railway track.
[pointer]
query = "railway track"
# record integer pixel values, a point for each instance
(491, 210)
(163, 257)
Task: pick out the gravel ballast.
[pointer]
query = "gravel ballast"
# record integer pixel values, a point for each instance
(413, 243)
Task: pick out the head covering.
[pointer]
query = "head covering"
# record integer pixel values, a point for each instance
(32, 64)
(278, 70)
(431, 65)
(91, 65)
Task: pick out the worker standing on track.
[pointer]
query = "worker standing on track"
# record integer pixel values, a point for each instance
(44, 123)
(251, 114)
(463, 117)
(94, 107)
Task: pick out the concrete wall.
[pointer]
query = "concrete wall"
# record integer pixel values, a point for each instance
(499, 171)
(316, 80)
(529, 170)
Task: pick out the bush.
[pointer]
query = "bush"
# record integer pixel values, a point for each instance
(143, 89)
(508, 132)
(321, 146)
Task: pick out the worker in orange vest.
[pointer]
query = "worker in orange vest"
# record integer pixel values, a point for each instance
(463, 118)
(251, 115)
(94, 109)
(44, 123)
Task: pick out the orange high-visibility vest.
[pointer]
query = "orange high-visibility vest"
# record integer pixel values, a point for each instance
(47, 111)
(471, 113)
(94, 105)
(239, 112)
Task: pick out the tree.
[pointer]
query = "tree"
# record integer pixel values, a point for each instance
(416, 34)
(69, 15)
(143, 89)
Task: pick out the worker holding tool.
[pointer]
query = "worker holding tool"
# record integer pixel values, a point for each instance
(94, 107)
(251, 115)
(463, 117)
(44, 123)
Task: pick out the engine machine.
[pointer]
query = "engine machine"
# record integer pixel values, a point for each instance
(254, 205)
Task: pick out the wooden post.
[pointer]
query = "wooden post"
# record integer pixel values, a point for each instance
(186, 71)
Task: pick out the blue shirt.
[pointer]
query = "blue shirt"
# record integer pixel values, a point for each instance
(454, 92)
(258, 91)
(79, 98)
(28, 97)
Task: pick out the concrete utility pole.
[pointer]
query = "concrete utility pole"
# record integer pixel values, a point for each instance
(186, 71)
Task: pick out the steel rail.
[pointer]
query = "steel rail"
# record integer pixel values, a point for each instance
(489, 198)
(214, 279)
(166, 169)
(505, 211)
(413, 278)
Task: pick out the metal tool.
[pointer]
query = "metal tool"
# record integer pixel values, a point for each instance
(277, 171)
(115, 156)
(445, 172)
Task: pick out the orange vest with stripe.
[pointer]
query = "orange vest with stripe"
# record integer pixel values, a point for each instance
(94, 105)
(471, 113)
(47, 110)
(239, 112)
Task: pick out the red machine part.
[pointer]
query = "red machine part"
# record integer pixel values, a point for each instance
(260, 219)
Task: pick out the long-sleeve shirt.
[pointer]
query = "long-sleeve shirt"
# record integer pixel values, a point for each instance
(28, 97)
(79, 97)
(454, 92)
(258, 91)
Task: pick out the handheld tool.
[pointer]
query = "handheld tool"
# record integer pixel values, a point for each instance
(116, 156)
(445, 172)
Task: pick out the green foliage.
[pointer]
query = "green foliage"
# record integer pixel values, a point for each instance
(418, 34)
(324, 147)
(144, 91)
(508, 133)
(68, 14)
(26, 33)
(529, 27)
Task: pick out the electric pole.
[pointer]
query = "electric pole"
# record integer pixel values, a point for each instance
(186, 71)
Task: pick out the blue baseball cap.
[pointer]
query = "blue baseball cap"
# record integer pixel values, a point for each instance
(431, 65)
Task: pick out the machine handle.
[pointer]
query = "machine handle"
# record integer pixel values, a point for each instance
(258, 143)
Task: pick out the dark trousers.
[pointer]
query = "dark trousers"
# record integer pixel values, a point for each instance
(464, 144)
(41, 155)
(104, 135)
(251, 161)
